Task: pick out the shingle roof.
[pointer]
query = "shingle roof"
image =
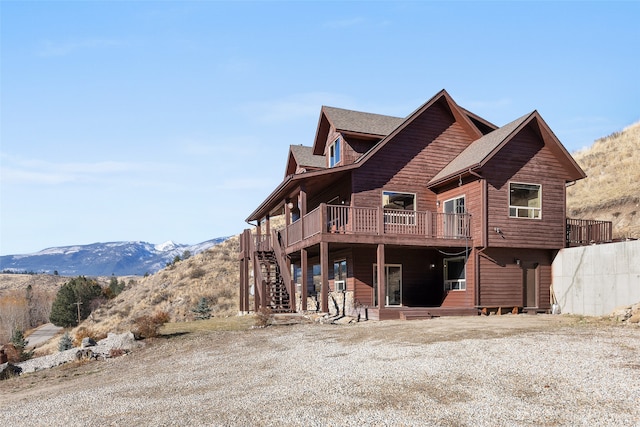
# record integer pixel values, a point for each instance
(304, 157)
(480, 149)
(356, 121)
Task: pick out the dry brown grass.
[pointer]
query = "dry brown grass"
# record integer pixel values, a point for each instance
(610, 191)
(177, 289)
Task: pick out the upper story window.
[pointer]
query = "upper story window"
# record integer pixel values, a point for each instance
(399, 208)
(400, 201)
(334, 153)
(525, 200)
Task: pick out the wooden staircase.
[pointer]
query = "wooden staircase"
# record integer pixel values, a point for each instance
(277, 295)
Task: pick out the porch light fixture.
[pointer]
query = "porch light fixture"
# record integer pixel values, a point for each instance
(290, 205)
(518, 262)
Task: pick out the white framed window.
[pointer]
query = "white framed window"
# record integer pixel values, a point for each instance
(455, 277)
(525, 200)
(399, 208)
(334, 152)
(340, 275)
(393, 279)
(456, 223)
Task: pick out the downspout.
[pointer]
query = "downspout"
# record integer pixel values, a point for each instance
(484, 230)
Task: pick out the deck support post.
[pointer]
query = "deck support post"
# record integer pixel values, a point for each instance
(324, 275)
(382, 279)
(304, 266)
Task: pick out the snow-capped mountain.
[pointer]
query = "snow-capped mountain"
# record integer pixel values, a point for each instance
(103, 259)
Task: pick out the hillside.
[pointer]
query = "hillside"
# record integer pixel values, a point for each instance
(177, 289)
(610, 192)
(102, 259)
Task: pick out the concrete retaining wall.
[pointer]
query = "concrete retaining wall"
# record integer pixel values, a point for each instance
(593, 280)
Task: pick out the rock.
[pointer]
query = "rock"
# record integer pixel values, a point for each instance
(635, 318)
(8, 370)
(88, 342)
(621, 313)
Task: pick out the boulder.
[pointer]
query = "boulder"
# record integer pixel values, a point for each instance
(8, 370)
(88, 342)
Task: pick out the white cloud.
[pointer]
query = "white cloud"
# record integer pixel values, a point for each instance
(35, 171)
(50, 48)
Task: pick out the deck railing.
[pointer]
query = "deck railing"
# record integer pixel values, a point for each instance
(378, 221)
(581, 232)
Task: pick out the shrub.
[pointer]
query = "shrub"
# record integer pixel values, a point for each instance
(148, 326)
(65, 343)
(116, 352)
(263, 317)
(197, 273)
(20, 343)
(202, 310)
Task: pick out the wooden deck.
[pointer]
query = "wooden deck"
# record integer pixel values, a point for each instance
(353, 221)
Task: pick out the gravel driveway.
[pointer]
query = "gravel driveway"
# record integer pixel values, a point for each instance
(474, 371)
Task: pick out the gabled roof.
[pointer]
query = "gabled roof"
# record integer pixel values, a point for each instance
(359, 122)
(354, 122)
(304, 156)
(460, 115)
(479, 152)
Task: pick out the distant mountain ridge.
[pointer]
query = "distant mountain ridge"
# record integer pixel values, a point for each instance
(103, 259)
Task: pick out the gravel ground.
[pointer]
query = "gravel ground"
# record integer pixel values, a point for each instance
(479, 371)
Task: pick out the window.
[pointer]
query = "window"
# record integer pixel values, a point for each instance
(525, 200)
(397, 202)
(334, 153)
(454, 274)
(340, 275)
(456, 224)
(393, 278)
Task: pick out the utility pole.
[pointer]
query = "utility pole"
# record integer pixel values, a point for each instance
(78, 305)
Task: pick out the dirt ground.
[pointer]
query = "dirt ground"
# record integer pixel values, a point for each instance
(545, 369)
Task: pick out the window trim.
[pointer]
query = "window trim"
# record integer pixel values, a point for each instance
(454, 223)
(448, 282)
(375, 284)
(333, 161)
(400, 216)
(526, 208)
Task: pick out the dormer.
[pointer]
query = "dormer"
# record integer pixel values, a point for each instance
(343, 136)
(301, 159)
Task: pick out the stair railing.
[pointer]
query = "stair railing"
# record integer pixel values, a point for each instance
(285, 274)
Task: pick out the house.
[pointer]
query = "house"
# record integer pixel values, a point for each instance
(438, 213)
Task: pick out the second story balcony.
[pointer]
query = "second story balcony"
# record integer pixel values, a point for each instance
(352, 222)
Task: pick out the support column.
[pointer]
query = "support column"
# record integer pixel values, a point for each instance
(304, 267)
(324, 275)
(382, 278)
(291, 286)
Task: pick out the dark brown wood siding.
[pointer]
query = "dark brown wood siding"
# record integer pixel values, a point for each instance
(422, 277)
(501, 278)
(411, 159)
(353, 148)
(525, 159)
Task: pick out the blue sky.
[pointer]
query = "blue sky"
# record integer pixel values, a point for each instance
(168, 120)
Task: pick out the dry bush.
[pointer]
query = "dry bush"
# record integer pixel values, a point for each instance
(263, 317)
(148, 326)
(117, 352)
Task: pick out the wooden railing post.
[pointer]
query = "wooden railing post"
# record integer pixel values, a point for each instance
(323, 217)
(380, 220)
